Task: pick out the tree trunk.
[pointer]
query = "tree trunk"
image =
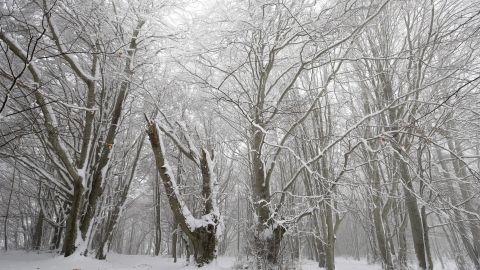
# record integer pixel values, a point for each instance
(158, 227)
(5, 223)
(428, 251)
(461, 226)
(268, 235)
(203, 237)
(174, 242)
(204, 242)
(104, 160)
(267, 243)
(73, 219)
(402, 244)
(330, 243)
(383, 247)
(462, 176)
(413, 213)
(37, 236)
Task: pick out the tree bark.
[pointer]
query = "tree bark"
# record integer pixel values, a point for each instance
(174, 242)
(73, 219)
(158, 227)
(383, 247)
(37, 236)
(413, 213)
(203, 237)
(469, 246)
(103, 162)
(268, 235)
(428, 251)
(7, 212)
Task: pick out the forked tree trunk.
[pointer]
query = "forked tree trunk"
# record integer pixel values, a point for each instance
(201, 232)
(112, 221)
(104, 160)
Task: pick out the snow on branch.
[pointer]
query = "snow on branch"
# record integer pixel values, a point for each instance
(179, 208)
(189, 150)
(86, 77)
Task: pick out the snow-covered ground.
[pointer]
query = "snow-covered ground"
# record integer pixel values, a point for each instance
(19, 260)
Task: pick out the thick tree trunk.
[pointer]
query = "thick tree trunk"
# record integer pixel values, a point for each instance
(73, 219)
(204, 242)
(268, 235)
(203, 237)
(104, 160)
(413, 213)
(267, 244)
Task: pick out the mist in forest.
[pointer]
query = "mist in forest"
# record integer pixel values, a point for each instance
(240, 134)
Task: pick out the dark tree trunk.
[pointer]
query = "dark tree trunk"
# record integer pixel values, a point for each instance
(413, 214)
(158, 228)
(428, 251)
(267, 244)
(470, 248)
(57, 232)
(268, 236)
(204, 242)
(174, 242)
(5, 223)
(72, 220)
(103, 162)
(380, 231)
(37, 236)
(203, 238)
(113, 218)
(402, 244)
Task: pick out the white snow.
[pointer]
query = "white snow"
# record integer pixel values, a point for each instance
(21, 260)
(343, 264)
(191, 221)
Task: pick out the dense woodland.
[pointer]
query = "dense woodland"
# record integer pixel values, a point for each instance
(269, 130)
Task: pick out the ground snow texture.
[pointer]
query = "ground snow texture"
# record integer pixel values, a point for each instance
(19, 260)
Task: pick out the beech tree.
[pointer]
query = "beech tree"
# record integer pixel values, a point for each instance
(280, 130)
(202, 232)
